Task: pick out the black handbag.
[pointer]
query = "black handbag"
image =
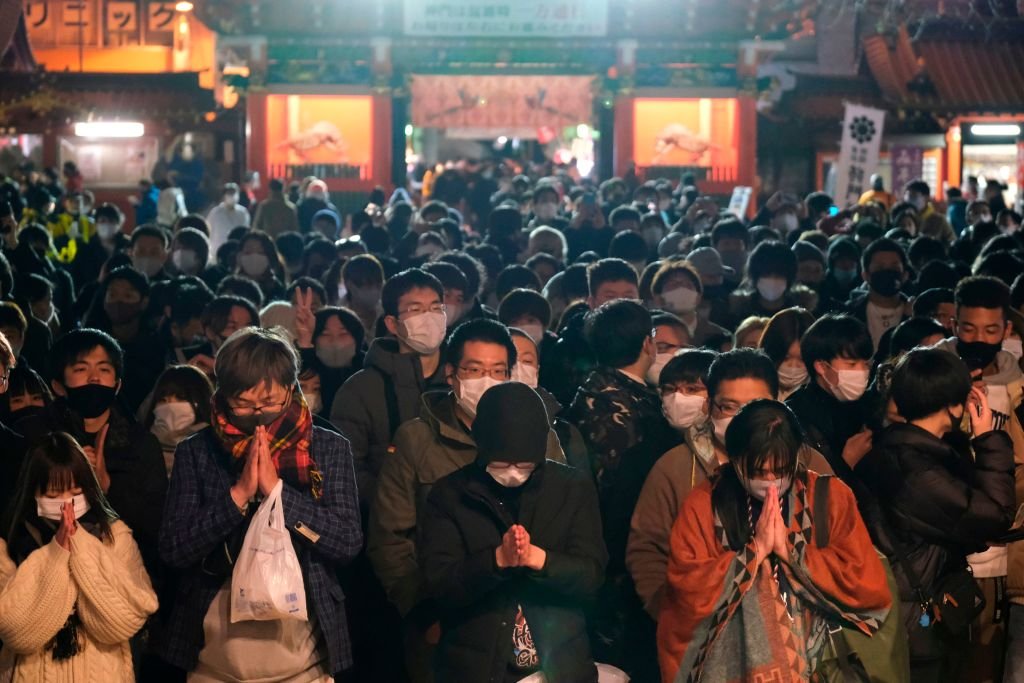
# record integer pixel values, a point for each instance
(954, 604)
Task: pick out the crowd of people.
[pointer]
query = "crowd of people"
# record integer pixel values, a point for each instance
(524, 426)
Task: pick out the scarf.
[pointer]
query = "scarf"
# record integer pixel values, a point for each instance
(290, 436)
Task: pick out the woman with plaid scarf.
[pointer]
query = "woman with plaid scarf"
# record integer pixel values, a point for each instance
(261, 432)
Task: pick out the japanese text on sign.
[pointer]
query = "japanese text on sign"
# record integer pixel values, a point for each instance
(858, 156)
(512, 18)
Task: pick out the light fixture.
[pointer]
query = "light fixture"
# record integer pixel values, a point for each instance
(995, 129)
(109, 129)
(184, 6)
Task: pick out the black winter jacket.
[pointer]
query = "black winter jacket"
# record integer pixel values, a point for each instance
(934, 501)
(464, 523)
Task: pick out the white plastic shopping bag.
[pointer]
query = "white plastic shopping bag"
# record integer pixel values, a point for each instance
(267, 580)
(606, 673)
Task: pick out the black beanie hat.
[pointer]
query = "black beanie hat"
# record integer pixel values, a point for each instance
(511, 425)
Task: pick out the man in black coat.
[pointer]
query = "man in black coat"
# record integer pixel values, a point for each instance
(511, 547)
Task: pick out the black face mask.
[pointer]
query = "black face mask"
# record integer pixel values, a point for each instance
(91, 400)
(977, 355)
(30, 422)
(248, 423)
(886, 282)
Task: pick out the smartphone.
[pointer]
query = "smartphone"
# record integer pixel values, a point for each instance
(833, 210)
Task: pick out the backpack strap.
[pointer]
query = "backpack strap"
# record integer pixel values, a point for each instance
(821, 494)
(390, 401)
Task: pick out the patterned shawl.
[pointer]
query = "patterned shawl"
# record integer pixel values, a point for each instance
(726, 620)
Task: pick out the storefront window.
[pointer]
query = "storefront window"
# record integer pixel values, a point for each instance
(111, 163)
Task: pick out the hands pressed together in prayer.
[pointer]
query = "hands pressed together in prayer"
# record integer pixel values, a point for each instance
(516, 550)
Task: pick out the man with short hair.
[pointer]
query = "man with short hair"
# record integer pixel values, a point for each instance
(883, 306)
(938, 304)
(610, 279)
(88, 372)
(149, 249)
(276, 215)
(981, 324)
(372, 404)
(480, 354)
(833, 407)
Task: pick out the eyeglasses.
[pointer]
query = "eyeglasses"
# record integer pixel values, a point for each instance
(417, 309)
(243, 410)
(519, 465)
(728, 409)
(500, 374)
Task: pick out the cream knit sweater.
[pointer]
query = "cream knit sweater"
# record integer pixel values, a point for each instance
(114, 597)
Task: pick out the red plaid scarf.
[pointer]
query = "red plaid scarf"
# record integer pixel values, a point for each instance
(290, 436)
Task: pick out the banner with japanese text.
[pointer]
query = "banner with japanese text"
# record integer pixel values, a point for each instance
(858, 154)
(506, 18)
(907, 164)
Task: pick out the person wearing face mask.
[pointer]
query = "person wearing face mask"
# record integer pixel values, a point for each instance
(454, 282)
(259, 261)
(730, 238)
(835, 406)
(935, 499)
(397, 370)
(149, 251)
(363, 278)
(810, 268)
(932, 221)
(678, 288)
(119, 308)
(333, 348)
(537, 521)
(780, 339)
(479, 355)
(734, 539)
(315, 199)
(842, 274)
(180, 408)
(883, 306)
(527, 371)
(261, 439)
(73, 590)
(109, 239)
(684, 399)
(226, 216)
(89, 371)
(545, 205)
(529, 311)
(771, 284)
(670, 338)
(190, 251)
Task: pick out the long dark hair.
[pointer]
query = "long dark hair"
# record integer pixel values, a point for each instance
(56, 461)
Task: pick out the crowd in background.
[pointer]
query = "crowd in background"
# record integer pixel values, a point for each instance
(522, 423)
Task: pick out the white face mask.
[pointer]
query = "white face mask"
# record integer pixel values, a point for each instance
(786, 223)
(335, 355)
(510, 477)
(173, 417)
(254, 264)
(429, 251)
(472, 390)
(546, 210)
(721, 426)
(654, 372)
(791, 376)
(106, 230)
(851, 385)
(185, 260)
(758, 488)
(49, 508)
(535, 332)
(683, 410)
(527, 374)
(771, 288)
(1013, 347)
(681, 300)
(424, 332)
(147, 264)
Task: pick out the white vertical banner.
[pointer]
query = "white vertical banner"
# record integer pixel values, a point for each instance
(858, 155)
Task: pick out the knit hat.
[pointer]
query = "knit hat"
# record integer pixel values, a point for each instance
(511, 425)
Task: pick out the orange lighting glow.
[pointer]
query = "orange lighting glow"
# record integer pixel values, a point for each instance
(686, 132)
(320, 129)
